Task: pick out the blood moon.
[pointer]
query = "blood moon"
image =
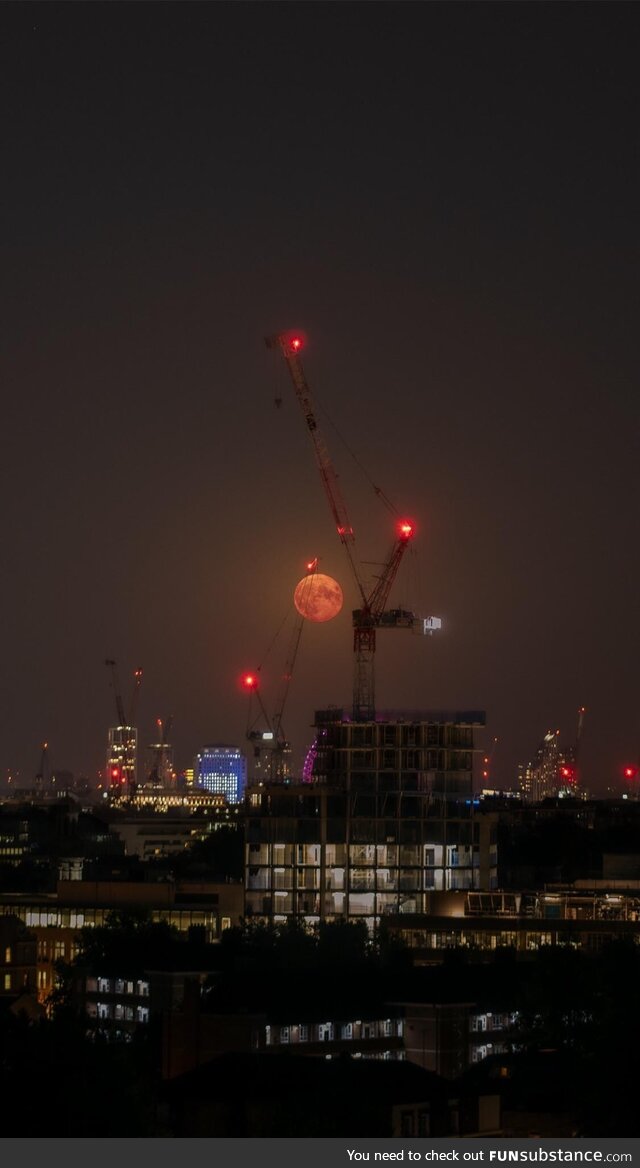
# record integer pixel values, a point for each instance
(318, 598)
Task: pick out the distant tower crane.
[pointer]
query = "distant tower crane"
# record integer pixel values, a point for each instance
(373, 613)
(123, 768)
(576, 749)
(44, 772)
(160, 772)
(276, 740)
(487, 761)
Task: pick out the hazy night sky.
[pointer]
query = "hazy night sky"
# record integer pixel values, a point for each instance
(445, 197)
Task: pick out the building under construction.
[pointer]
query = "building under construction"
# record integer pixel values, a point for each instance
(386, 816)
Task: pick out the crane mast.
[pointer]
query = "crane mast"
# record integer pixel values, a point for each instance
(372, 614)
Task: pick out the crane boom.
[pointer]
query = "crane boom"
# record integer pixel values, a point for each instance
(122, 721)
(137, 682)
(290, 348)
(379, 596)
(372, 614)
(279, 744)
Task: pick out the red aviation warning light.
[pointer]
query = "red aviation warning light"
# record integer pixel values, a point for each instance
(249, 681)
(405, 529)
(115, 774)
(296, 344)
(630, 772)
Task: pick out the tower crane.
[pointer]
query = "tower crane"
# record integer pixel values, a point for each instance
(124, 723)
(576, 749)
(372, 613)
(137, 682)
(158, 772)
(44, 773)
(487, 761)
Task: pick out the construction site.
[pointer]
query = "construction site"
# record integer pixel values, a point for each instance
(384, 812)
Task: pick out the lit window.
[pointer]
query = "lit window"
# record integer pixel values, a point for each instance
(7, 981)
(7, 955)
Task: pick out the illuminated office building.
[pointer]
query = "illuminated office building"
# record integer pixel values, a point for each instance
(222, 770)
(122, 753)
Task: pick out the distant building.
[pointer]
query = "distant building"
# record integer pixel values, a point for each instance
(584, 918)
(18, 948)
(54, 920)
(552, 773)
(122, 757)
(222, 770)
(161, 774)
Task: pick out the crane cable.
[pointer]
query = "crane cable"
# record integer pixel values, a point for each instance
(377, 490)
(278, 399)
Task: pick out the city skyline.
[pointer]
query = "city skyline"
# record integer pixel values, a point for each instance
(460, 255)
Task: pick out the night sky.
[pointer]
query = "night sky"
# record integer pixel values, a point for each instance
(445, 198)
